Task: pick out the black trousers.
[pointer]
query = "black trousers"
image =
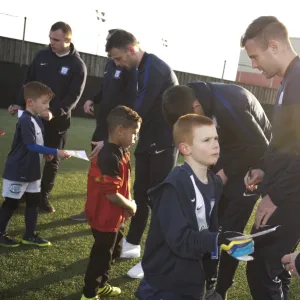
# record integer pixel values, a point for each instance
(8, 207)
(107, 247)
(150, 170)
(234, 213)
(147, 292)
(266, 276)
(53, 139)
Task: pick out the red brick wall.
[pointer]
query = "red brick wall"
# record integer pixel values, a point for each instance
(257, 79)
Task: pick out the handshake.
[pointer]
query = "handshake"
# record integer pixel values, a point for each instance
(238, 249)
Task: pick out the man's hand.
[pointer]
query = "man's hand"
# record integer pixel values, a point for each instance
(89, 107)
(96, 150)
(48, 157)
(47, 115)
(289, 262)
(264, 211)
(12, 109)
(63, 154)
(256, 177)
(223, 176)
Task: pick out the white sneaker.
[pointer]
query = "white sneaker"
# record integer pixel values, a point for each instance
(130, 250)
(136, 271)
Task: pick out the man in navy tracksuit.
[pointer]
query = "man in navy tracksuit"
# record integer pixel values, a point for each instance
(155, 153)
(244, 133)
(267, 43)
(61, 68)
(118, 88)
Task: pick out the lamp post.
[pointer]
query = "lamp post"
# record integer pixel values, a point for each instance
(224, 69)
(101, 18)
(23, 40)
(164, 43)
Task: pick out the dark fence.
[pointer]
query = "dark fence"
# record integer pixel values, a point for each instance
(12, 75)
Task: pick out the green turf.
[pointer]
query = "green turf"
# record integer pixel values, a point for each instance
(57, 272)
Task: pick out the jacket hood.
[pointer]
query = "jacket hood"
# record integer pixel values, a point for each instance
(204, 95)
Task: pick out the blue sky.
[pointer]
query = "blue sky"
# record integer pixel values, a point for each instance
(200, 34)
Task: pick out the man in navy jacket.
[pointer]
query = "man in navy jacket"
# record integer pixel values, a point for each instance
(267, 43)
(118, 87)
(155, 153)
(244, 132)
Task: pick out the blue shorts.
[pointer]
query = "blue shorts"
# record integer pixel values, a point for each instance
(147, 292)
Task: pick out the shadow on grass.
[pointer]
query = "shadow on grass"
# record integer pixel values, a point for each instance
(74, 296)
(68, 195)
(77, 268)
(51, 225)
(63, 237)
(121, 280)
(53, 199)
(70, 235)
(72, 270)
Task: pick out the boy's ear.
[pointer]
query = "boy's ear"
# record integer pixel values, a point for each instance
(119, 129)
(184, 149)
(29, 101)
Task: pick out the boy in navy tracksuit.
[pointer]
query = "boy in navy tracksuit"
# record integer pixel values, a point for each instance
(60, 67)
(184, 223)
(22, 172)
(155, 154)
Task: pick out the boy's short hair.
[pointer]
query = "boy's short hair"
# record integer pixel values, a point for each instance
(34, 90)
(122, 116)
(120, 39)
(264, 29)
(177, 101)
(183, 131)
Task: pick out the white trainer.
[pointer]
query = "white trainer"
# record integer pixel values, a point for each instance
(136, 272)
(130, 250)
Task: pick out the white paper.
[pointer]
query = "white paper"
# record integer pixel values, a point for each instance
(20, 112)
(81, 154)
(245, 258)
(251, 236)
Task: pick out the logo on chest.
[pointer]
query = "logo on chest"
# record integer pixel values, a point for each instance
(64, 70)
(280, 99)
(117, 74)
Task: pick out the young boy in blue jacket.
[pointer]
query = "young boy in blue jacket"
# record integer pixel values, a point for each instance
(184, 224)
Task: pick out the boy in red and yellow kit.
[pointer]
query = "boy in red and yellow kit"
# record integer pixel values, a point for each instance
(109, 201)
